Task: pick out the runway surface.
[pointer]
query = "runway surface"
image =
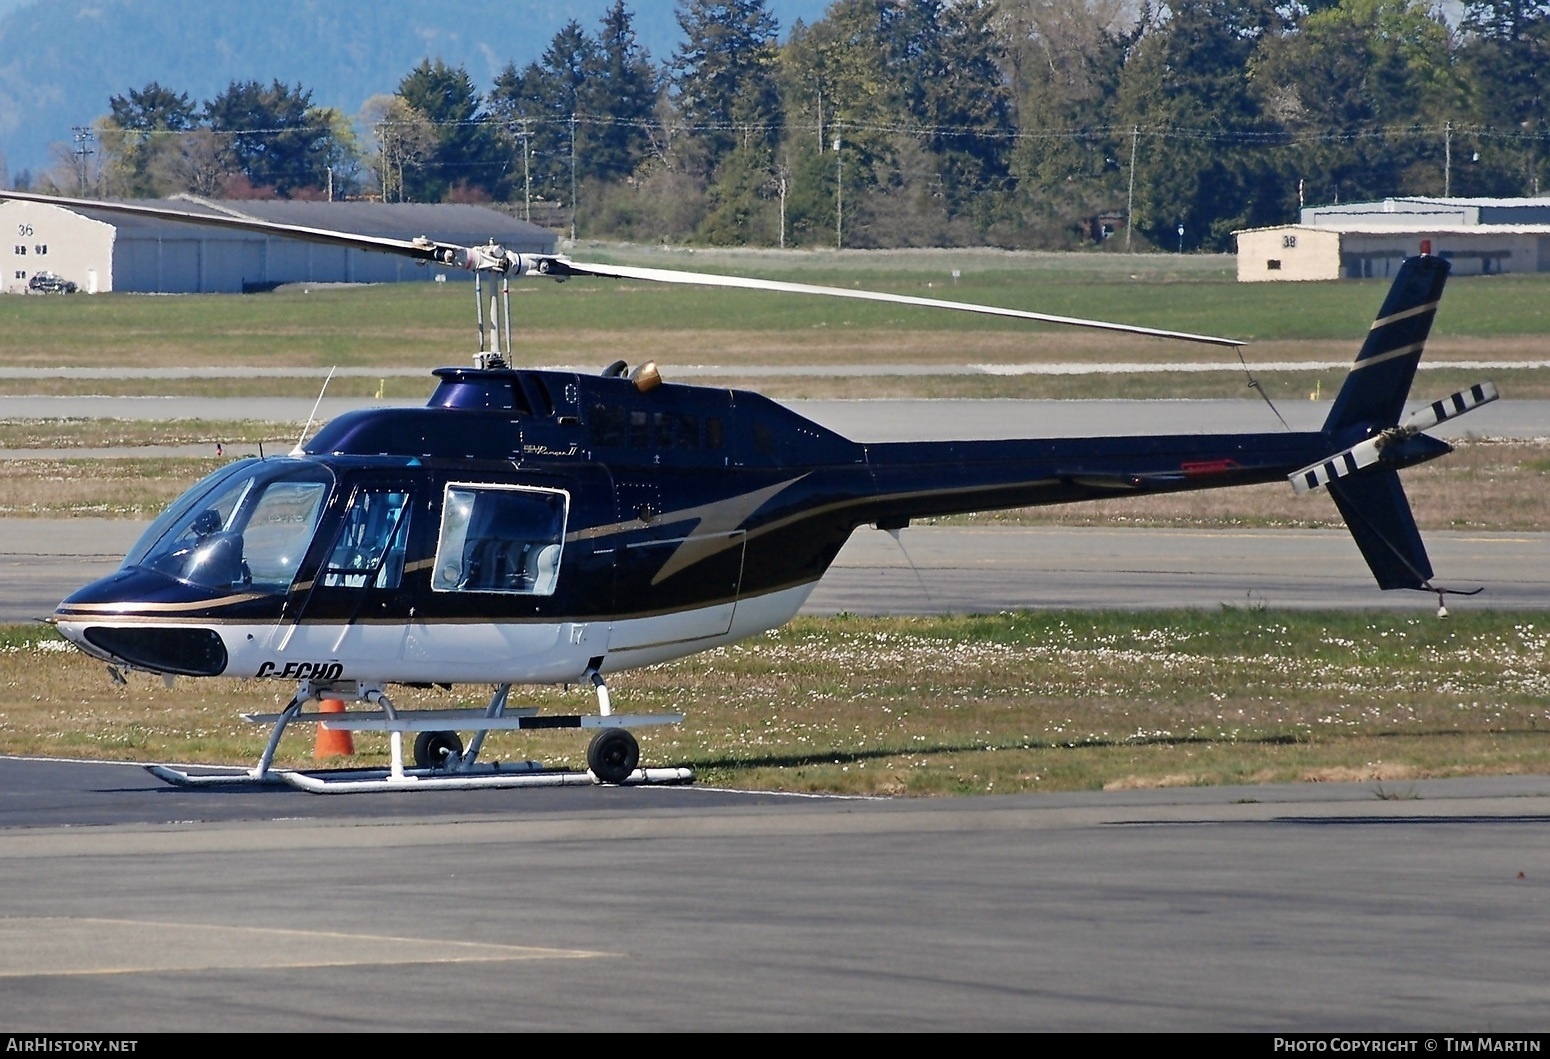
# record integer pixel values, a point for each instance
(978, 569)
(1284, 909)
(863, 420)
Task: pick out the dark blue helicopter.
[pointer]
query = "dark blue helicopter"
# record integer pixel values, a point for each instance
(540, 527)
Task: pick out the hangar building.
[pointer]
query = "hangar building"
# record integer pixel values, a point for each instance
(107, 252)
(1371, 239)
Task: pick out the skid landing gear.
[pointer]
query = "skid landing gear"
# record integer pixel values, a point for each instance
(441, 762)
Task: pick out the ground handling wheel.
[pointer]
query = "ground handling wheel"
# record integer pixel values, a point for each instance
(613, 755)
(434, 750)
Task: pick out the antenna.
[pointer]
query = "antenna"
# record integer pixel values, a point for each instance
(297, 451)
(894, 528)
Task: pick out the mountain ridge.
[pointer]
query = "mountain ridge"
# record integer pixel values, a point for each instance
(63, 59)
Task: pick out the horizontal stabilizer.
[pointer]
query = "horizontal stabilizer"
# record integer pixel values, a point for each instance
(1370, 451)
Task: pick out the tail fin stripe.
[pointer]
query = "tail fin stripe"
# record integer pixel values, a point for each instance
(1417, 310)
(1393, 354)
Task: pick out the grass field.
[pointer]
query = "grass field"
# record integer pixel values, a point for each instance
(992, 703)
(584, 321)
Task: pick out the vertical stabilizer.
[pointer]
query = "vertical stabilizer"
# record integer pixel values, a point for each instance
(1378, 515)
(1375, 391)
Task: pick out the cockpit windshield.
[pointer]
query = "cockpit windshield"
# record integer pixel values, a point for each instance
(246, 527)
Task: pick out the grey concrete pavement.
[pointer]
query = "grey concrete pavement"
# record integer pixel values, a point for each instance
(880, 420)
(978, 569)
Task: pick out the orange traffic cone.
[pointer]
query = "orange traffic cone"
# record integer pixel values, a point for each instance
(331, 742)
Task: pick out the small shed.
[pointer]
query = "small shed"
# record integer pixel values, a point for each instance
(1296, 251)
(1287, 252)
(1371, 240)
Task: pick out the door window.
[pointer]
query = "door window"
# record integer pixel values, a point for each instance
(500, 539)
(372, 542)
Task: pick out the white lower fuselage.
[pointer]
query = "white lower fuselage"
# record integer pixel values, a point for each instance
(472, 651)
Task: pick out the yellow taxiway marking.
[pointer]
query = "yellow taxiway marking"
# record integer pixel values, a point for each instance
(70, 946)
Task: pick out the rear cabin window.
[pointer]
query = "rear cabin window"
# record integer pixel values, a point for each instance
(500, 539)
(607, 423)
(614, 427)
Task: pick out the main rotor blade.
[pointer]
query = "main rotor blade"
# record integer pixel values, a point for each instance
(419, 249)
(664, 275)
(497, 259)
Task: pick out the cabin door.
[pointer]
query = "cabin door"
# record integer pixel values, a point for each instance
(357, 605)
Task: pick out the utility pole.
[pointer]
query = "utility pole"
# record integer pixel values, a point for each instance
(783, 211)
(1130, 196)
(839, 197)
(384, 149)
(573, 176)
(527, 178)
(1447, 159)
(83, 152)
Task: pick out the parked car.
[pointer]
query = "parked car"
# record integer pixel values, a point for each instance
(48, 283)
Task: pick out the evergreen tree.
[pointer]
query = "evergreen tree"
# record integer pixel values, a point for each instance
(726, 93)
(141, 128)
(1065, 60)
(723, 75)
(1506, 57)
(836, 86)
(469, 157)
(1185, 89)
(539, 105)
(276, 138)
(945, 63)
(1366, 89)
(619, 97)
(152, 108)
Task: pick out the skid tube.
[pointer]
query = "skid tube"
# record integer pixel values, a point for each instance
(461, 772)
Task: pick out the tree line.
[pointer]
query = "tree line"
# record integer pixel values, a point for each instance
(1040, 123)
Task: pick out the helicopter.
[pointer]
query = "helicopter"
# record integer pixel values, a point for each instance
(553, 527)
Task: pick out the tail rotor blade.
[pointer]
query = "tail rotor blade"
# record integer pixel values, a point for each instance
(1370, 451)
(1449, 407)
(1353, 459)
